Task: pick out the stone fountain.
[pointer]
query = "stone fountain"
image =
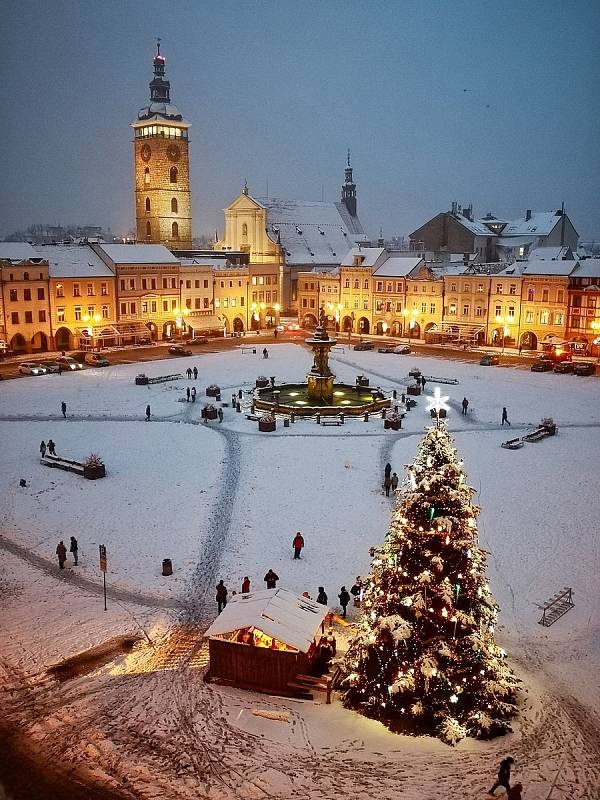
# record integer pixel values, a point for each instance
(320, 378)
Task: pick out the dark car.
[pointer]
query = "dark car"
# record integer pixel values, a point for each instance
(387, 349)
(178, 350)
(564, 367)
(364, 346)
(402, 350)
(489, 360)
(542, 365)
(68, 362)
(584, 368)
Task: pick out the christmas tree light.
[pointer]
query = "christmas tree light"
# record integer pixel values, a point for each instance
(425, 660)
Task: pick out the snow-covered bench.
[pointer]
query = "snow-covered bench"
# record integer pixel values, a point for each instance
(63, 463)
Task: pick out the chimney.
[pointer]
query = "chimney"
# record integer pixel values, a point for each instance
(528, 215)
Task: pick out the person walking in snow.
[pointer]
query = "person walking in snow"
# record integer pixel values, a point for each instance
(233, 400)
(465, 406)
(195, 371)
(51, 447)
(387, 485)
(61, 552)
(344, 596)
(63, 408)
(220, 415)
(298, 544)
(221, 596)
(246, 585)
(74, 549)
(265, 353)
(505, 416)
(423, 382)
(187, 395)
(503, 775)
(322, 597)
(388, 470)
(193, 394)
(271, 579)
(43, 449)
(394, 482)
(148, 413)
(356, 589)
(188, 372)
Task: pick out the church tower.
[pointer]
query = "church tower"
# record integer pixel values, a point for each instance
(349, 190)
(163, 211)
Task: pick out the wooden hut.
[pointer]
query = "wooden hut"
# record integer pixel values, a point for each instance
(263, 640)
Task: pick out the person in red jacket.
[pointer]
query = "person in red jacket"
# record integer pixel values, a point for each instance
(246, 585)
(298, 544)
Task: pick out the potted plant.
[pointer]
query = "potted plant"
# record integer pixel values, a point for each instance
(392, 421)
(549, 425)
(93, 467)
(414, 389)
(441, 414)
(213, 390)
(267, 423)
(262, 382)
(209, 412)
(141, 379)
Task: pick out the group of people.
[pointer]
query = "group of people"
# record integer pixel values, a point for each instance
(189, 372)
(61, 552)
(191, 393)
(50, 447)
(390, 479)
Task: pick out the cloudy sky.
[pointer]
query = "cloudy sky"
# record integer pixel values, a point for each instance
(491, 103)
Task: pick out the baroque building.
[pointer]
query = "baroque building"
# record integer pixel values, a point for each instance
(163, 211)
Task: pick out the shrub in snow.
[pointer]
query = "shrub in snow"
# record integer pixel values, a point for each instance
(93, 460)
(393, 417)
(268, 416)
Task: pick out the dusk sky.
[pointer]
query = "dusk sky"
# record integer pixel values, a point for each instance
(496, 104)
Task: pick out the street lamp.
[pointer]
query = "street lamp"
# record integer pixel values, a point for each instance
(412, 321)
(405, 315)
(505, 329)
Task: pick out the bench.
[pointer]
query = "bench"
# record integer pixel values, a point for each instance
(536, 436)
(252, 417)
(308, 683)
(557, 606)
(338, 348)
(247, 348)
(512, 444)
(330, 422)
(63, 463)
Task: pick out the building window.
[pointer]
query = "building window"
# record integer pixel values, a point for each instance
(479, 311)
(173, 175)
(77, 313)
(512, 289)
(188, 284)
(25, 276)
(14, 317)
(356, 284)
(388, 286)
(147, 176)
(26, 294)
(312, 303)
(90, 290)
(379, 286)
(423, 308)
(60, 292)
(452, 287)
(28, 317)
(304, 302)
(432, 308)
(148, 230)
(558, 318)
(105, 312)
(153, 306)
(530, 294)
(174, 206)
(206, 284)
(197, 305)
(60, 314)
(173, 283)
(76, 290)
(165, 305)
(175, 231)
(165, 283)
(466, 310)
(132, 283)
(206, 302)
(132, 309)
(104, 289)
(122, 285)
(365, 305)
(144, 307)
(347, 283)
(147, 204)
(545, 294)
(14, 296)
(498, 310)
(452, 309)
(153, 283)
(529, 317)
(560, 297)
(398, 306)
(398, 287)
(544, 317)
(511, 312)
(144, 284)
(356, 302)
(222, 284)
(91, 310)
(188, 302)
(225, 302)
(498, 288)
(480, 287)
(173, 305)
(41, 316)
(366, 283)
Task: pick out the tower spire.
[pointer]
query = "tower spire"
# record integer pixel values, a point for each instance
(349, 189)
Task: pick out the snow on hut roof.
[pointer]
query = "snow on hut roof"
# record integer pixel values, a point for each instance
(138, 253)
(284, 615)
(74, 261)
(18, 251)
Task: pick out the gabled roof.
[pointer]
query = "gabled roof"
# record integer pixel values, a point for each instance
(588, 268)
(541, 223)
(398, 266)
(475, 226)
(557, 268)
(138, 253)
(557, 253)
(311, 232)
(288, 617)
(17, 251)
(370, 256)
(74, 261)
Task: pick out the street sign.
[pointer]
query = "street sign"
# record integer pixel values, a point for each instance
(103, 558)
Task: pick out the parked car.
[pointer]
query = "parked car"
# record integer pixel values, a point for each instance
(280, 328)
(402, 350)
(489, 360)
(68, 362)
(542, 365)
(197, 340)
(51, 366)
(293, 327)
(178, 350)
(96, 360)
(32, 368)
(389, 348)
(364, 346)
(564, 366)
(584, 368)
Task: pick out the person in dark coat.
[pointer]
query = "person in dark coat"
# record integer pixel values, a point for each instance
(63, 408)
(322, 597)
(220, 414)
(246, 585)
(505, 416)
(265, 353)
(271, 579)
(61, 552)
(195, 371)
(51, 447)
(187, 394)
(344, 600)
(188, 372)
(233, 400)
(275, 333)
(43, 449)
(387, 485)
(74, 549)
(355, 589)
(388, 470)
(193, 394)
(465, 405)
(298, 544)
(394, 481)
(423, 382)
(503, 775)
(147, 413)
(221, 596)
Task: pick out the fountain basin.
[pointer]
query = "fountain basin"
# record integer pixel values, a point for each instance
(293, 398)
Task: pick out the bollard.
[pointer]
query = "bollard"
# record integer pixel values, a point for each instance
(366, 416)
(318, 418)
(341, 417)
(254, 350)
(403, 398)
(286, 423)
(395, 394)
(396, 409)
(238, 408)
(292, 418)
(240, 394)
(383, 410)
(272, 379)
(253, 409)
(167, 566)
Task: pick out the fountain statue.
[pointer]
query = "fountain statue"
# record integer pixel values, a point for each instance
(320, 378)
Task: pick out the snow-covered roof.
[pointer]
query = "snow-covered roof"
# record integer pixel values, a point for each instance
(541, 223)
(138, 253)
(588, 268)
(74, 261)
(284, 615)
(548, 267)
(199, 261)
(475, 226)
(516, 241)
(369, 256)
(311, 232)
(17, 251)
(398, 266)
(161, 112)
(557, 253)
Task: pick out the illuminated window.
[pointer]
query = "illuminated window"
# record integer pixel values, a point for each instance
(147, 175)
(105, 312)
(104, 289)
(544, 317)
(529, 316)
(452, 310)
(77, 313)
(60, 292)
(60, 314)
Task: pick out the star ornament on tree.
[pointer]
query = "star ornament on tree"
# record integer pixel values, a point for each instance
(437, 402)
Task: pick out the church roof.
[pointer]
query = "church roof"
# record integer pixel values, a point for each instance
(311, 232)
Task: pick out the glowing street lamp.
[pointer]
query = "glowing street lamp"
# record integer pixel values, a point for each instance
(505, 329)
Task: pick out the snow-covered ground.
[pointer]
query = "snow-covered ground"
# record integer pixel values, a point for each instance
(223, 501)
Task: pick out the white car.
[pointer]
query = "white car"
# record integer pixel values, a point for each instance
(67, 363)
(32, 368)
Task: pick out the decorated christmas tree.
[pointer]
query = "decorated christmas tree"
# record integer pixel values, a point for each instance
(425, 660)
